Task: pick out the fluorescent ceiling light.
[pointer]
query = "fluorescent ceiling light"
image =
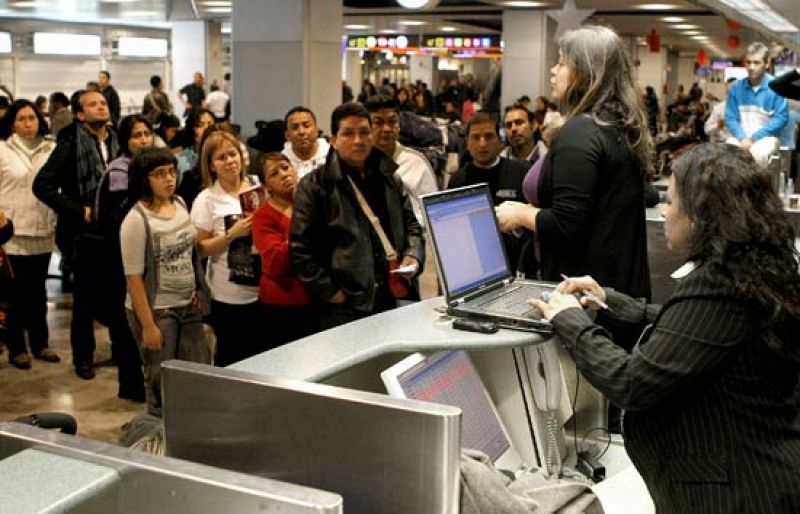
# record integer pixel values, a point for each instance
(762, 13)
(220, 3)
(218, 9)
(65, 44)
(699, 38)
(521, 3)
(656, 7)
(691, 32)
(685, 27)
(26, 5)
(411, 23)
(673, 19)
(356, 26)
(448, 29)
(5, 43)
(142, 47)
(418, 4)
(116, 1)
(388, 31)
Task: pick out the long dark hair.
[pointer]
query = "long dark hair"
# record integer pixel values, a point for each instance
(126, 129)
(8, 119)
(189, 137)
(145, 161)
(601, 84)
(741, 232)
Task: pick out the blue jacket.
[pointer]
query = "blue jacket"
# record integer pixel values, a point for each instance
(755, 113)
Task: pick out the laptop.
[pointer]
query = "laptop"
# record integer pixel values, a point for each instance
(472, 263)
(449, 377)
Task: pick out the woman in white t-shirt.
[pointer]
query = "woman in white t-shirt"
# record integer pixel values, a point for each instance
(162, 269)
(234, 307)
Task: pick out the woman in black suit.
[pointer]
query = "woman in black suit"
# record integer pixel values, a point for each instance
(712, 419)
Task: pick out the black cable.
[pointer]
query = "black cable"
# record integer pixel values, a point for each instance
(574, 411)
(608, 441)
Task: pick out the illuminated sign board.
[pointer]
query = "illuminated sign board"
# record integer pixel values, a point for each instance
(720, 65)
(461, 42)
(382, 42)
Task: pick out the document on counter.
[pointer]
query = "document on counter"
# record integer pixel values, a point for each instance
(409, 268)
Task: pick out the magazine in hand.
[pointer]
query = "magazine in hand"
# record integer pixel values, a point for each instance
(252, 198)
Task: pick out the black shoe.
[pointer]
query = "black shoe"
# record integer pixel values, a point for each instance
(85, 370)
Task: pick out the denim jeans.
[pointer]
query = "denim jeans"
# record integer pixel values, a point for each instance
(182, 338)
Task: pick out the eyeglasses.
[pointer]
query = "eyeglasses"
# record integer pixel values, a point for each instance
(162, 174)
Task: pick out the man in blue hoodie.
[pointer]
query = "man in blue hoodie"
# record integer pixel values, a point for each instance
(754, 113)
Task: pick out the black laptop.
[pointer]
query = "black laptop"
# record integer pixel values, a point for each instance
(472, 263)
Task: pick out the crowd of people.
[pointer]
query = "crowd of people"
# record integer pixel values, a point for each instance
(164, 232)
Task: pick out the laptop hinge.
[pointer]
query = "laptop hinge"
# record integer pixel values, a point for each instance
(481, 292)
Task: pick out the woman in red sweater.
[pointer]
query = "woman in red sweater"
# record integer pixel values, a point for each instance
(287, 306)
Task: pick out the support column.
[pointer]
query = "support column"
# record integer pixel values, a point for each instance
(421, 67)
(528, 54)
(290, 54)
(214, 53)
(352, 72)
(189, 47)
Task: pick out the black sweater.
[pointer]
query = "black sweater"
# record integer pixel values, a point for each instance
(592, 218)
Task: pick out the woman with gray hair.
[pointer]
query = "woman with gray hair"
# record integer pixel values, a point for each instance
(587, 206)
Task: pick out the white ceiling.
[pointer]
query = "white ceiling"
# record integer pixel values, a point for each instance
(473, 17)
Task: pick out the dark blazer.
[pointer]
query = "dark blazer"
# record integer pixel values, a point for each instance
(592, 218)
(330, 238)
(712, 419)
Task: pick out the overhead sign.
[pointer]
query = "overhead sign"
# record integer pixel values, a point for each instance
(461, 42)
(382, 42)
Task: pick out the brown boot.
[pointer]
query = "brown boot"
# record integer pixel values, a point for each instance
(21, 361)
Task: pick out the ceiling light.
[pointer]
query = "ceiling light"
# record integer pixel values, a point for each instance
(356, 26)
(691, 32)
(418, 4)
(673, 19)
(448, 29)
(411, 23)
(762, 13)
(656, 7)
(218, 9)
(684, 27)
(699, 38)
(214, 3)
(516, 3)
(389, 31)
(26, 5)
(116, 1)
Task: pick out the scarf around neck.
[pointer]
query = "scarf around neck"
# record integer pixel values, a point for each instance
(90, 164)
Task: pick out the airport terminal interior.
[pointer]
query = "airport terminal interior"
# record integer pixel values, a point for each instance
(361, 410)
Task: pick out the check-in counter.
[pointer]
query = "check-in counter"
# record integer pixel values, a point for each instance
(342, 433)
(45, 472)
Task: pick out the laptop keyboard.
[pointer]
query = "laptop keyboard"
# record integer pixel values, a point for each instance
(514, 302)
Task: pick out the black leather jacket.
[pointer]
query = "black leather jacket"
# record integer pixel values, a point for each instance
(330, 237)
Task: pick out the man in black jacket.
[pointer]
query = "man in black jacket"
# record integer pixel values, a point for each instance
(111, 96)
(68, 183)
(336, 252)
(504, 176)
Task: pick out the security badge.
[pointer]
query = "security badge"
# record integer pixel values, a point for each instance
(506, 194)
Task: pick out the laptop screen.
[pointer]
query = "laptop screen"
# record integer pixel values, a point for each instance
(450, 378)
(466, 239)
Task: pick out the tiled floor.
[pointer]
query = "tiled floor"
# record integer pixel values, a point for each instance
(55, 387)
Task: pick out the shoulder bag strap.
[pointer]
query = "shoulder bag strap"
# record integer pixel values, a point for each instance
(388, 249)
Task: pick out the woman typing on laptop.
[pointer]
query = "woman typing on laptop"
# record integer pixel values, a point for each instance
(712, 421)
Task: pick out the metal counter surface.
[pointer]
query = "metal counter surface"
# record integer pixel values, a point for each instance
(415, 327)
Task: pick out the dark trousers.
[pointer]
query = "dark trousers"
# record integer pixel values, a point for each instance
(30, 273)
(99, 293)
(333, 315)
(287, 323)
(239, 330)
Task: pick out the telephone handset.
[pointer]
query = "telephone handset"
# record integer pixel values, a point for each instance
(546, 377)
(545, 373)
